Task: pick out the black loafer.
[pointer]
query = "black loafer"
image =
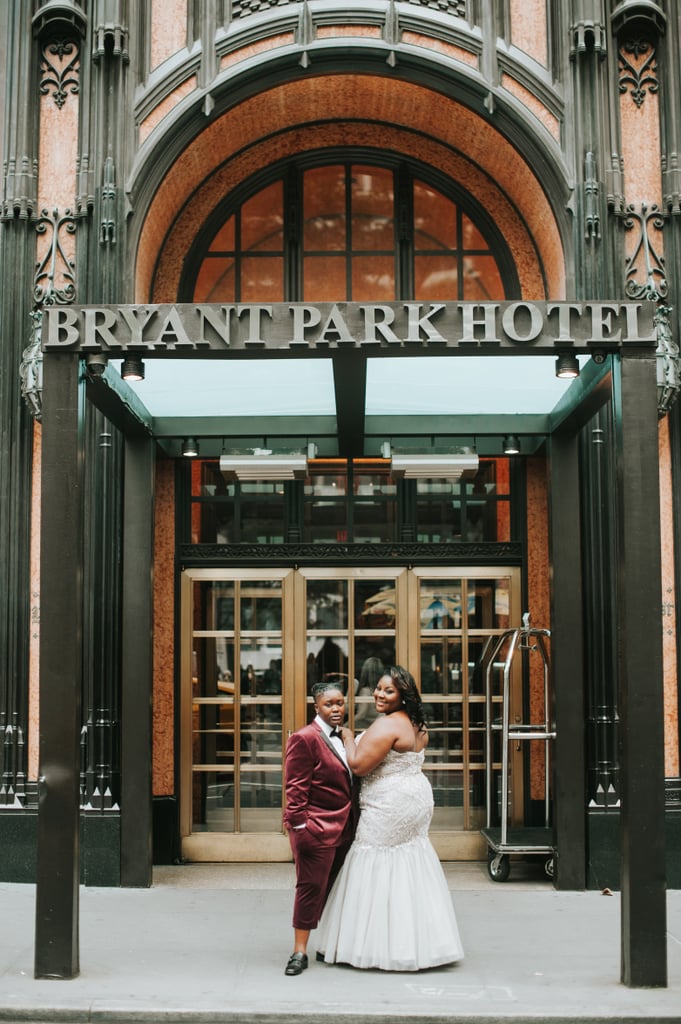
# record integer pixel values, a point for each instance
(320, 958)
(297, 962)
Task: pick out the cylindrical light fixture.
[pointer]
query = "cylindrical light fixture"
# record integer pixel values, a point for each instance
(190, 447)
(132, 369)
(511, 445)
(95, 363)
(567, 366)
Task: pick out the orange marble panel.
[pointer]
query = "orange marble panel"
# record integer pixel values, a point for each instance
(163, 712)
(332, 31)
(439, 46)
(671, 697)
(168, 29)
(34, 636)
(640, 130)
(245, 52)
(167, 104)
(58, 156)
(503, 486)
(539, 602)
(58, 153)
(534, 105)
(529, 30)
(360, 110)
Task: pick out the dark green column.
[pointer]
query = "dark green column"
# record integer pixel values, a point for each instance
(642, 850)
(61, 610)
(137, 664)
(567, 658)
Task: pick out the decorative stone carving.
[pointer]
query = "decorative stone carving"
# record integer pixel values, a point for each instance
(60, 69)
(31, 367)
(645, 272)
(614, 184)
(54, 282)
(638, 68)
(54, 285)
(242, 8)
(638, 17)
(455, 8)
(503, 553)
(668, 362)
(671, 182)
(111, 36)
(107, 227)
(588, 28)
(592, 215)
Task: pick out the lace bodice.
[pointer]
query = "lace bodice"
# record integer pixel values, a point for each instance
(407, 762)
(396, 801)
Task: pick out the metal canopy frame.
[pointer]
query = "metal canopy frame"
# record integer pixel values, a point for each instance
(350, 430)
(629, 379)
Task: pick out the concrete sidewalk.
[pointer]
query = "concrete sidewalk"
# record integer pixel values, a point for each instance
(208, 943)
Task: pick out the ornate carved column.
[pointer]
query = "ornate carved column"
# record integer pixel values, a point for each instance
(592, 149)
(59, 30)
(17, 256)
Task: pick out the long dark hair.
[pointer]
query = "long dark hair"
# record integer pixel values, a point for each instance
(411, 698)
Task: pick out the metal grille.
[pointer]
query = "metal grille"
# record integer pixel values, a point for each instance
(457, 8)
(242, 8)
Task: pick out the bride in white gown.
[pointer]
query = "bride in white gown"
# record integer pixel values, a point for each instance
(390, 906)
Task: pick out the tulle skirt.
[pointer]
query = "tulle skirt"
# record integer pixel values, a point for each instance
(390, 908)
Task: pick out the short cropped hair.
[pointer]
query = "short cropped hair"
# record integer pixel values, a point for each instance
(326, 684)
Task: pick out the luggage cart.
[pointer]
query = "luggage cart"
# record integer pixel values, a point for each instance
(504, 840)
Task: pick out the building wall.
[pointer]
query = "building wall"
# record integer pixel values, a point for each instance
(540, 115)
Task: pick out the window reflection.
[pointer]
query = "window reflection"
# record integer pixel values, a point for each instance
(262, 220)
(435, 221)
(342, 217)
(461, 621)
(324, 209)
(237, 733)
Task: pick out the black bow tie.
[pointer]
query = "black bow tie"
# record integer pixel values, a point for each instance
(336, 734)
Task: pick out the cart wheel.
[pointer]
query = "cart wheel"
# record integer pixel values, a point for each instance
(498, 866)
(549, 867)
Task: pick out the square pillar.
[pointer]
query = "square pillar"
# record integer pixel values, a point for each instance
(639, 606)
(61, 617)
(137, 663)
(567, 663)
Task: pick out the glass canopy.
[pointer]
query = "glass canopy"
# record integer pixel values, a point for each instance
(414, 386)
(444, 399)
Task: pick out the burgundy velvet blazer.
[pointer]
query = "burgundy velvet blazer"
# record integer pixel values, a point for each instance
(319, 789)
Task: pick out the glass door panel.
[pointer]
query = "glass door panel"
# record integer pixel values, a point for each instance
(236, 665)
(459, 616)
(255, 642)
(350, 637)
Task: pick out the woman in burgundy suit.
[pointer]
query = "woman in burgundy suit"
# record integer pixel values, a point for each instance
(319, 813)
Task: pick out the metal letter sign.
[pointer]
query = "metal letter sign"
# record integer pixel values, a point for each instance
(494, 327)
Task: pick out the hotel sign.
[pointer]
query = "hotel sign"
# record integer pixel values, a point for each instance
(305, 328)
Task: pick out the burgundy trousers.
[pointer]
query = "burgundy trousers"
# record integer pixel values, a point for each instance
(316, 870)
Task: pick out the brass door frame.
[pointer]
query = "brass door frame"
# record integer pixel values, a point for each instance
(227, 846)
(263, 847)
(389, 573)
(468, 845)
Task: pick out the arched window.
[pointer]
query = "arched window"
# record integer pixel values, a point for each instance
(349, 230)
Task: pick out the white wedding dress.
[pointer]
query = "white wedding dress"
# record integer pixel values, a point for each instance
(390, 906)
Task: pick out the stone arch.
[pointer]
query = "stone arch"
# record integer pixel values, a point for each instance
(368, 110)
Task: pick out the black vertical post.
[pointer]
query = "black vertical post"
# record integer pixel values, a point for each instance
(137, 664)
(642, 851)
(567, 663)
(61, 611)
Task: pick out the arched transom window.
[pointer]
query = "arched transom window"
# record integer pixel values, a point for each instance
(350, 231)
